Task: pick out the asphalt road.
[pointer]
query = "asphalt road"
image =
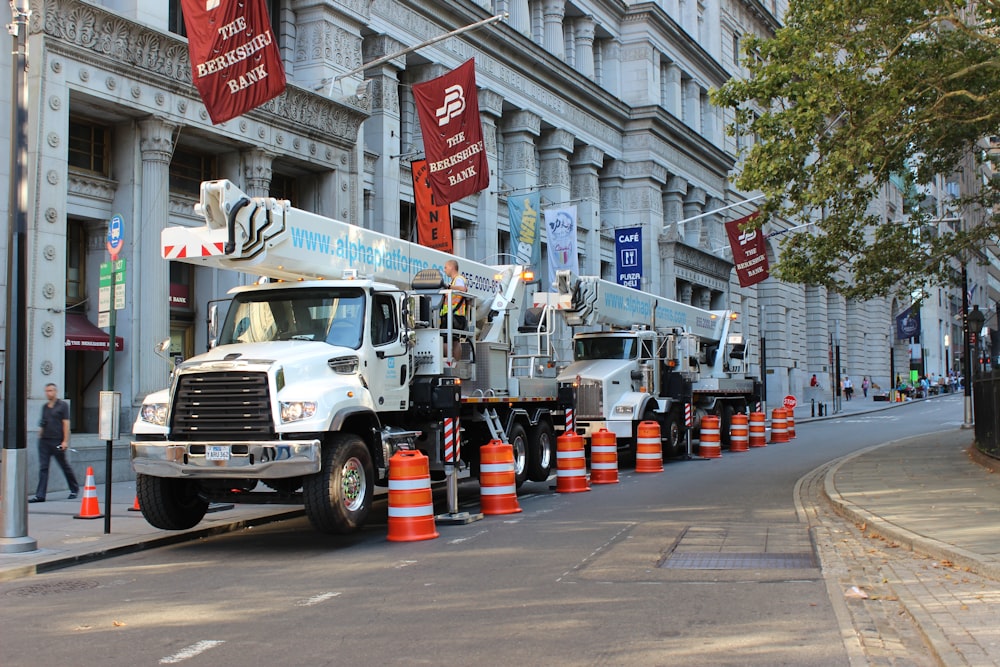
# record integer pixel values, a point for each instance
(626, 574)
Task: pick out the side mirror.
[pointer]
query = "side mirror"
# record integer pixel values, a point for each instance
(213, 325)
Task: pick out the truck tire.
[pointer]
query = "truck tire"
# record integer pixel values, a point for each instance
(168, 503)
(519, 443)
(673, 435)
(726, 412)
(339, 496)
(542, 440)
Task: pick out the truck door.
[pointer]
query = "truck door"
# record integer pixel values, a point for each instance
(389, 367)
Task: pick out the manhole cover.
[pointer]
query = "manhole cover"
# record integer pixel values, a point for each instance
(738, 561)
(52, 587)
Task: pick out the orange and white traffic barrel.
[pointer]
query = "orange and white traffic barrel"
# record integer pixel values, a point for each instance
(648, 448)
(604, 457)
(779, 426)
(497, 479)
(739, 433)
(571, 464)
(709, 444)
(411, 506)
(790, 423)
(758, 437)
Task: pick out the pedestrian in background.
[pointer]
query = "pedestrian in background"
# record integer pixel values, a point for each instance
(53, 441)
(864, 386)
(848, 388)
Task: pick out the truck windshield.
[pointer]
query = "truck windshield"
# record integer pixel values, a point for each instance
(605, 347)
(333, 315)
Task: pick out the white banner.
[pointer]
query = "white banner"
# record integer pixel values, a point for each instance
(560, 223)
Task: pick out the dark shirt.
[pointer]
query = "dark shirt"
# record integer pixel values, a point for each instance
(52, 420)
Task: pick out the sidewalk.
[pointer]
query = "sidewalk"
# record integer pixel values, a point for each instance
(64, 541)
(924, 493)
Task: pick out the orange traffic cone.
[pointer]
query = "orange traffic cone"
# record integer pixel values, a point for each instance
(497, 479)
(604, 457)
(135, 506)
(411, 505)
(648, 448)
(739, 433)
(709, 445)
(571, 464)
(89, 508)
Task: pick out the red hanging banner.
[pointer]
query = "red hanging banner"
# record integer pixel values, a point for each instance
(235, 63)
(749, 251)
(433, 221)
(448, 107)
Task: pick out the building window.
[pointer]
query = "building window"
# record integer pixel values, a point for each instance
(736, 48)
(76, 254)
(187, 171)
(88, 147)
(175, 19)
(284, 187)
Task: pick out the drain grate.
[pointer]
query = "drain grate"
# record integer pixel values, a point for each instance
(704, 560)
(50, 587)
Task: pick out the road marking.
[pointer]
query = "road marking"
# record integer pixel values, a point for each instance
(459, 540)
(190, 651)
(316, 599)
(594, 553)
(404, 563)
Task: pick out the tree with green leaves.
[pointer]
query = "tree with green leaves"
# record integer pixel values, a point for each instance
(849, 94)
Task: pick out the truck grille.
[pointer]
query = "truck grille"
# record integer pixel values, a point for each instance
(227, 405)
(589, 401)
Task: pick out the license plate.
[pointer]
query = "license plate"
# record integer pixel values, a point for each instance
(217, 452)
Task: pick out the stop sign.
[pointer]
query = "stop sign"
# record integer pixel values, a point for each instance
(790, 402)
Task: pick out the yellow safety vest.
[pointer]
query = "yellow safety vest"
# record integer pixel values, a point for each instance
(457, 302)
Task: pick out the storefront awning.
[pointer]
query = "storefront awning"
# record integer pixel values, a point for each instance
(83, 336)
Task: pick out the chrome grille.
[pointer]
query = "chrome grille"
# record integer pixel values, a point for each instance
(589, 401)
(222, 406)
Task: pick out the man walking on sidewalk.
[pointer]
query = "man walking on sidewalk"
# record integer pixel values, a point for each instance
(53, 441)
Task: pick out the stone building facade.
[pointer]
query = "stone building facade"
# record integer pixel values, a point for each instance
(602, 104)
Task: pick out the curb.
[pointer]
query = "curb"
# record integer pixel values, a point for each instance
(875, 524)
(154, 541)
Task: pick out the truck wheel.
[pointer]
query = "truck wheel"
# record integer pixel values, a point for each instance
(168, 503)
(519, 443)
(339, 496)
(542, 438)
(726, 413)
(672, 435)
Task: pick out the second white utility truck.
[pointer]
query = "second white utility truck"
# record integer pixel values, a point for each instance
(650, 357)
(341, 355)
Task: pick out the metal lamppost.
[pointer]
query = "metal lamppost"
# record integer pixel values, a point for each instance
(947, 363)
(14, 536)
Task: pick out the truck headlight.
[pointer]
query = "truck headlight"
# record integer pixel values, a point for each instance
(293, 411)
(154, 413)
(624, 410)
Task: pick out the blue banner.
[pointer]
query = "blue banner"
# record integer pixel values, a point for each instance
(908, 324)
(628, 254)
(525, 235)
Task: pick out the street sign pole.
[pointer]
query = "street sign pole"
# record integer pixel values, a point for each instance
(115, 241)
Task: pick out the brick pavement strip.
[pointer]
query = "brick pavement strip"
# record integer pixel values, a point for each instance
(919, 610)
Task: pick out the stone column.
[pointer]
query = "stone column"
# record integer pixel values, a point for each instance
(152, 315)
(584, 166)
(692, 104)
(673, 207)
(328, 39)
(481, 242)
(553, 12)
(257, 172)
(612, 180)
(673, 96)
(585, 28)
(383, 129)
(519, 173)
(554, 150)
(520, 16)
(694, 204)
(644, 208)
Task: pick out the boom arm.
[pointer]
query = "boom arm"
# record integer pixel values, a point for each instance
(594, 301)
(265, 236)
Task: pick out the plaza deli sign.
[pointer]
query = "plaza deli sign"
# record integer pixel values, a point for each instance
(235, 63)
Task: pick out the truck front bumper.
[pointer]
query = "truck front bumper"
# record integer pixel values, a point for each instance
(621, 429)
(252, 459)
